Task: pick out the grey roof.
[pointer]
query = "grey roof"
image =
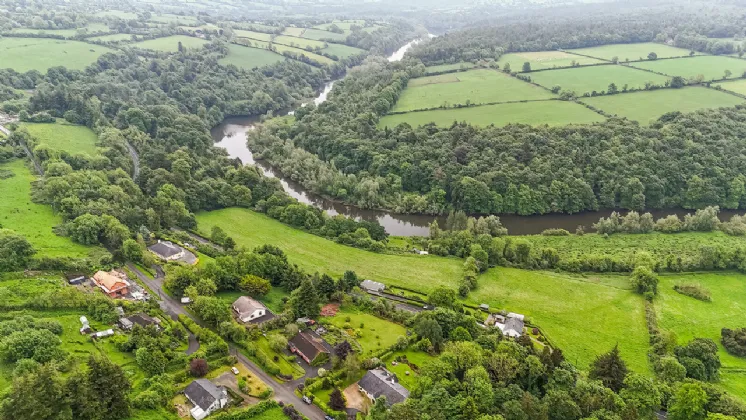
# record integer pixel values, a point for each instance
(514, 324)
(165, 249)
(381, 382)
(247, 305)
(203, 393)
(372, 285)
(142, 320)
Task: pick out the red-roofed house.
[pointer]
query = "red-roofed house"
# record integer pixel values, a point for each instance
(112, 283)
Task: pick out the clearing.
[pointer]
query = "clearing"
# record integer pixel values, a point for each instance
(648, 106)
(64, 137)
(596, 78)
(738, 86)
(533, 113)
(24, 54)
(709, 67)
(249, 58)
(171, 43)
(631, 52)
(543, 60)
(474, 86)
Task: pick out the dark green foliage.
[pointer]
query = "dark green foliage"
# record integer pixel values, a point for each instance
(610, 369)
(304, 301)
(15, 250)
(734, 341)
(644, 281)
(697, 291)
(700, 358)
(337, 400)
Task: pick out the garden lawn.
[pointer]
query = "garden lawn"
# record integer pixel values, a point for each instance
(648, 106)
(738, 86)
(584, 318)
(316, 254)
(533, 113)
(34, 221)
(475, 86)
(64, 137)
(171, 43)
(341, 51)
(689, 318)
(710, 67)
(417, 358)
(286, 366)
(249, 58)
(319, 34)
(449, 67)
(631, 52)
(595, 78)
(375, 334)
(24, 54)
(543, 60)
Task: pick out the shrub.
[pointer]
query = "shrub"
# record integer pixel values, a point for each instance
(696, 291)
(198, 368)
(555, 232)
(734, 341)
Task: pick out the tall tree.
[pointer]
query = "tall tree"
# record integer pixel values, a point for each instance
(305, 300)
(610, 369)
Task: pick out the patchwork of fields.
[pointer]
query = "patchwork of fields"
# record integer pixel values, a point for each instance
(249, 58)
(24, 54)
(631, 52)
(171, 43)
(596, 78)
(544, 60)
(710, 67)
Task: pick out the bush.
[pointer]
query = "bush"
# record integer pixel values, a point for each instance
(198, 368)
(696, 291)
(555, 232)
(734, 341)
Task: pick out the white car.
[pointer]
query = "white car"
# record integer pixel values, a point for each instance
(234, 370)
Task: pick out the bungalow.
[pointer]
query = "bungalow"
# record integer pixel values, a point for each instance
(206, 398)
(380, 382)
(512, 326)
(371, 286)
(167, 250)
(142, 320)
(309, 346)
(113, 283)
(248, 310)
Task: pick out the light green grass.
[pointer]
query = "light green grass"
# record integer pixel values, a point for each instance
(448, 67)
(260, 36)
(710, 67)
(89, 29)
(273, 299)
(112, 38)
(179, 20)
(315, 57)
(299, 42)
(543, 60)
(584, 318)
(341, 51)
(738, 86)
(319, 34)
(689, 318)
(478, 86)
(249, 58)
(648, 106)
(375, 335)
(596, 78)
(118, 14)
(171, 43)
(272, 414)
(291, 31)
(34, 221)
(63, 136)
(417, 358)
(534, 113)
(286, 366)
(19, 289)
(316, 254)
(632, 51)
(24, 54)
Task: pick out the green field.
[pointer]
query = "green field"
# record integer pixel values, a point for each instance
(292, 31)
(63, 136)
(543, 60)
(710, 67)
(171, 43)
(249, 58)
(738, 86)
(118, 14)
(34, 221)
(315, 57)
(596, 78)
(533, 113)
(179, 20)
(299, 42)
(24, 54)
(689, 318)
(341, 51)
(632, 52)
(340, 24)
(319, 34)
(375, 335)
(112, 38)
(478, 86)
(253, 35)
(583, 317)
(449, 67)
(648, 106)
(89, 29)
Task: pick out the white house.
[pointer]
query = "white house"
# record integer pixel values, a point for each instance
(206, 398)
(512, 326)
(166, 250)
(248, 309)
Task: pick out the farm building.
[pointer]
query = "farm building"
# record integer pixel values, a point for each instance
(113, 283)
(250, 310)
(309, 346)
(381, 382)
(206, 398)
(142, 320)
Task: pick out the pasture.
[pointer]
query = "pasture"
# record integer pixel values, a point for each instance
(298, 42)
(117, 14)
(543, 60)
(449, 67)
(112, 38)
(738, 86)
(24, 54)
(32, 220)
(689, 318)
(596, 78)
(475, 86)
(532, 113)
(89, 29)
(249, 58)
(64, 137)
(177, 19)
(648, 106)
(344, 25)
(631, 52)
(314, 57)
(253, 35)
(709, 67)
(293, 31)
(342, 51)
(171, 43)
(319, 34)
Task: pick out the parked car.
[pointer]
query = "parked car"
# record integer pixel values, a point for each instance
(329, 418)
(234, 370)
(306, 400)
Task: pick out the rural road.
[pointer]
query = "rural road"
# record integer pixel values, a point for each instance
(135, 160)
(283, 392)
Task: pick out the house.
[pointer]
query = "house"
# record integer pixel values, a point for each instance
(371, 286)
(167, 251)
(309, 346)
(206, 398)
(142, 320)
(248, 309)
(113, 283)
(512, 326)
(381, 382)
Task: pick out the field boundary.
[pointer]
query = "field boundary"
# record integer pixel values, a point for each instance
(460, 106)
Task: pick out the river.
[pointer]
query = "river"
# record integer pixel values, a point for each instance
(231, 135)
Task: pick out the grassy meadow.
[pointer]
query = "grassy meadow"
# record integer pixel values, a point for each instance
(117, 14)
(543, 60)
(375, 334)
(477, 86)
(449, 67)
(89, 29)
(112, 38)
(315, 57)
(596, 78)
(319, 34)
(64, 137)
(631, 52)
(648, 106)
(341, 51)
(34, 221)
(298, 42)
(738, 86)
(249, 58)
(171, 43)
(293, 31)
(710, 67)
(533, 113)
(24, 54)
(253, 35)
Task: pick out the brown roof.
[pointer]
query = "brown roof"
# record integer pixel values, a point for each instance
(311, 345)
(110, 282)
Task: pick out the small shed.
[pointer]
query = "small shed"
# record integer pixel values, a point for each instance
(484, 307)
(105, 333)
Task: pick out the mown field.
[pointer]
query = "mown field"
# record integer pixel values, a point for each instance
(477, 86)
(533, 113)
(543, 60)
(631, 52)
(24, 54)
(689, 318)
(372, 333)
(292, 31)
(171, 43)
(249, 58)
(710, 67)
(648, 106)
(595, 78)
(34, 221)
(738, 86)
(63, 136)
